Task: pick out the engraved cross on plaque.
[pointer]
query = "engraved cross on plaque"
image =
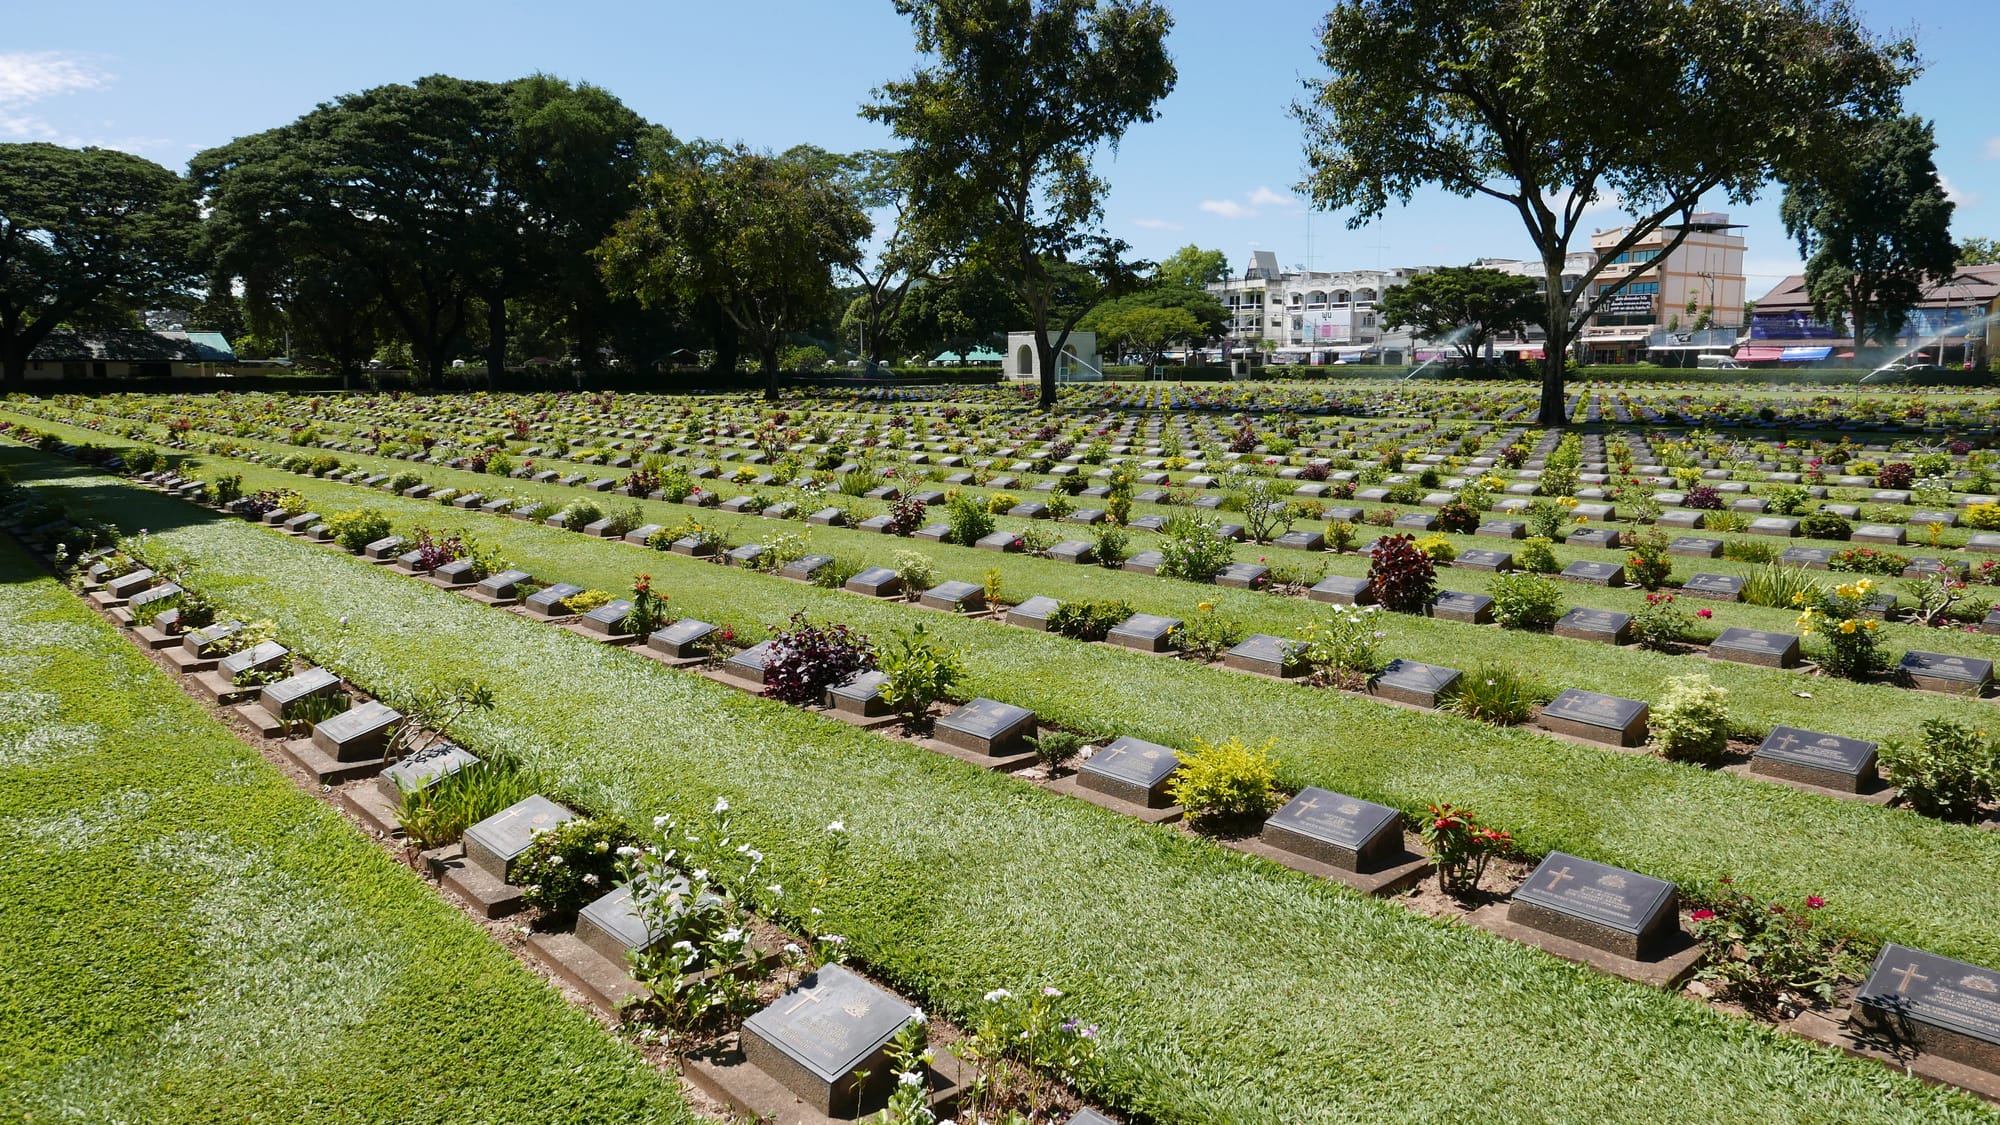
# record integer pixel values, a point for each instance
(1557, 878)
(1909, 973)
(804, 999)
(1785, 741)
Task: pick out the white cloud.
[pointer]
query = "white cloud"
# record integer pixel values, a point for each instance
(1265, 197)
(1228, 209)
(1155, 224)
(1993, 148)
(1957, 194)
(27, 77)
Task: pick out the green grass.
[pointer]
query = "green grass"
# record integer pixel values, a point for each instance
(1900, 875)
(1230, 990)
(1760, 698)
(185, 937)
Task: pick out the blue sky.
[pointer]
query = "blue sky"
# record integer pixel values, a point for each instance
(1216, 168)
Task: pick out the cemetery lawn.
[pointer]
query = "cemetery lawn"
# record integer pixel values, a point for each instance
(185, 937)
(1227, 988)
(1900, 876)
(1760, 698)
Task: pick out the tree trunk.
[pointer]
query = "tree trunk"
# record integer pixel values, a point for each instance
(1555, 351)
(1046, 361)
(769, 352)
(496, 341)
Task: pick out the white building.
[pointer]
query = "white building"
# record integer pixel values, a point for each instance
(1308, 316)
(1078, 362)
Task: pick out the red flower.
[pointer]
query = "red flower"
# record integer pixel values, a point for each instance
(1704, 614)
(1702, 915)
(1815, 902)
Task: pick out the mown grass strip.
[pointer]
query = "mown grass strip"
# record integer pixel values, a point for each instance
(1760, 697)
(1230, 990)
(185, 937)
(1888, 872)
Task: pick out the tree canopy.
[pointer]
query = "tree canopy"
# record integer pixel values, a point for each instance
(1554, 107)
(1978, 252)
(1465, 306)
(1874, 231)
(1191, 267)
(1001, 129)
(87, 236)
(757, 234)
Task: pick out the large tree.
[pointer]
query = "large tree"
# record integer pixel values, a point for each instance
(1875, 230)
(1464, 306)
(1150, 331)
(957, 312)
(1001, 129)
(909, 252)
(1191, 267)
(86, 235)
(1556, 106)
(758, 235)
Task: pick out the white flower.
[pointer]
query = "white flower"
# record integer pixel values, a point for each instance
(833, 939)
(837, 827)
(701, 874)
(684, 945)
(755, 855)
(1050, 991)
(555, 861)
(777, 890)
(793, 947)
(659, 822)
(997, 995)
(732, 934)
(590, 880)
(722, 804)
(343, 619)
(917, 1017)
(603, 846)
(628, 852)
(910, 1078)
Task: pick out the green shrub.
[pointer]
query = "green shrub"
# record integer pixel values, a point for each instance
(969, 520)
(1192, 551)
(1750, 551)
(1691, 724)
(920, 673)
(355, 530)
(1526, 601)
(1649, 564)
(1056, 748)
(625, 519)
(568, 867)
(1088, 621)
(1537, 555)
(1825, 525)
(1868, 560)
(1226, 781)
(1112, 546)
(579, 514)
(1950, 772)
(1662, 622)
(917, 572)
(403, 481)
(1787, 499)
(1438, 548)
(586, 601)
(1497, 694)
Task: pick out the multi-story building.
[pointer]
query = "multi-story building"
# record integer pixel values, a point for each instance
(1528, 345)
(1308, 316)
(1699, 284)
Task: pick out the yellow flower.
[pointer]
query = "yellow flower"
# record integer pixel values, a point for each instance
(1798, 599)
(1871, 626)
(1865, 584)
(1206, 607)
(1847, 626)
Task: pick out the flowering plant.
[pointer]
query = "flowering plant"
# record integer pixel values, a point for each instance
(571, 865)
(1835, 616)
(1030, 1048)
(1461, 847)
(1777, 960)
(1343, 648)
(684, 881)
(1663, 621)
(649, 609)
(1400, 575)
